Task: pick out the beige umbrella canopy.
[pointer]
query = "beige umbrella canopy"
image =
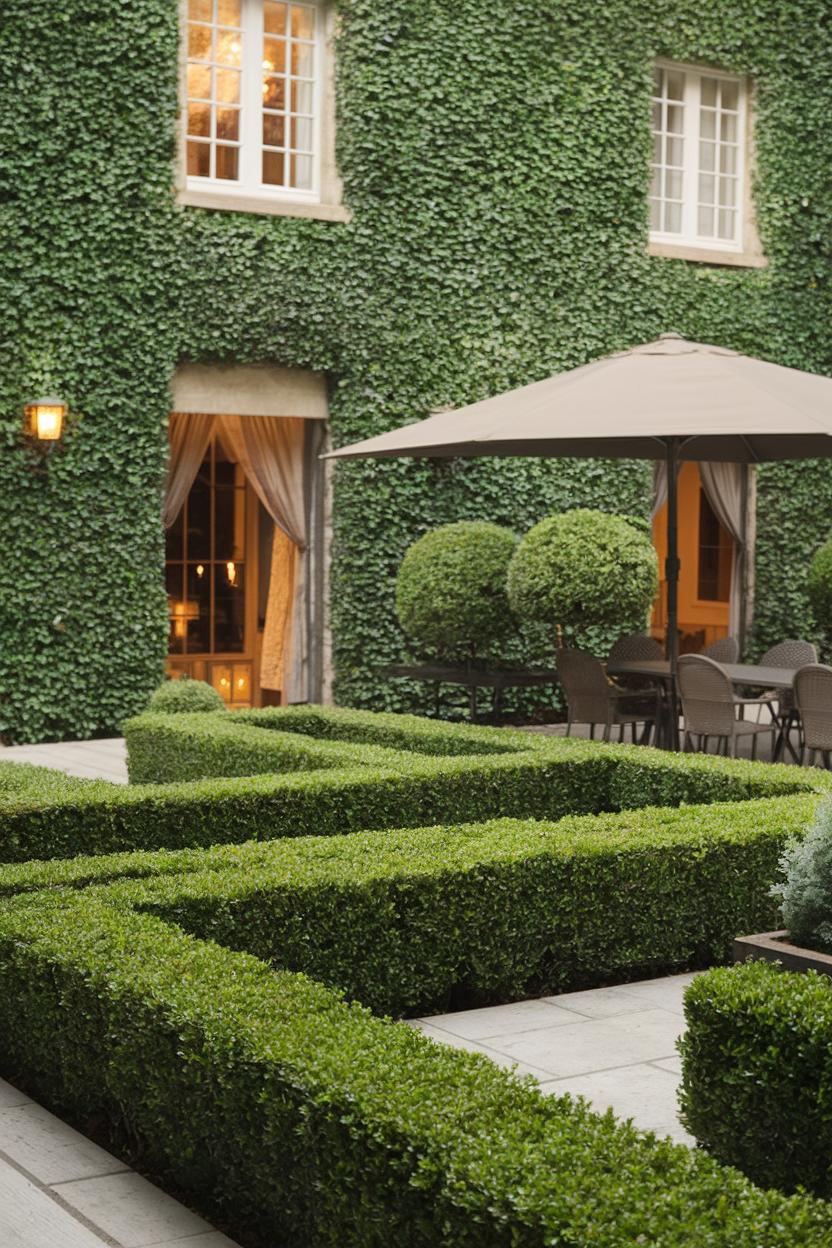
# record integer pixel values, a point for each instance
(666, 400)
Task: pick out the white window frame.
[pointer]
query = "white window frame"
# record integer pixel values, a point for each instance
(744, 249)
(249, 192)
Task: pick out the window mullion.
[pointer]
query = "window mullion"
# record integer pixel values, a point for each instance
(251, 121)
(690, 208)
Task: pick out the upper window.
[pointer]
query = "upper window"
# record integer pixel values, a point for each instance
(697, 193)
(254, 98)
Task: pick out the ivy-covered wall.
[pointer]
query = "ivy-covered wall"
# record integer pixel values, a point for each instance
(495, 161)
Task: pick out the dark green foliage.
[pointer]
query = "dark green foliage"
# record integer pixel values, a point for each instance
(451, 590)
(582, 568)
(757, 1079)
(819, 586)
(417, 921)
(805, 894)
(370, 771)
(175, 697)
(495, 158)
(304, 1119)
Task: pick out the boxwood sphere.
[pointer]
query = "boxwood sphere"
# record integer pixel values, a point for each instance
(584, 567)
(451, 589)
(820, 585)
(175, 697)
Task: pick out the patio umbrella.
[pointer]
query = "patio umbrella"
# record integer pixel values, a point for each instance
(668, 400)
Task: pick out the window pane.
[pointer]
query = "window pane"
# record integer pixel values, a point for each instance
(201, 10)
(274, 18)
(228, 123)
(229, 606)
(673, 218)
(228, 86)
(199, 159)
(199, 522)
(176, 627)
(709, 92)
(196, 609)
(707, 157)
(707, 125)
(302, 172)
(199, 82)
(727, 192)
(274, 92)
(728, 159)
(227, 162)
(229, 47)
(675, 85)
(199, 43)
(675, 118)
(274, 129)
(730, 95)
(302, 134)
(229, 523)
(199, 119)
(175, 537)
(273, 168)
(706, 222)
(302, 59)
(274, 55)
(655, 215)
(727, 227)
(228, 12)
(657, 149)
(301, 97)
(673, 183)
(303, 21)
(656, 184)
(707, 188)
(674, 149)
(728, 128)
(657, 116)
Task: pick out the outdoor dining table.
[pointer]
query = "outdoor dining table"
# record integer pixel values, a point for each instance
(750, 675)
(474, 676)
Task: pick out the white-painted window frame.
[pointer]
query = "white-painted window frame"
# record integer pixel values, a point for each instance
(689, 235)
(249, 185)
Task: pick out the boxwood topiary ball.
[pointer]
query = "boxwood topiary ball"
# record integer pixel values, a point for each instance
(584, 567)
(820, 585)
(451, 589)
(174, 697)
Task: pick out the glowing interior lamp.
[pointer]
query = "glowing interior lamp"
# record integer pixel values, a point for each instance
(45, 418)
(231, 569)
(181, 613)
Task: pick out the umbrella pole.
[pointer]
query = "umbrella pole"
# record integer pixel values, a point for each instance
(671, 572)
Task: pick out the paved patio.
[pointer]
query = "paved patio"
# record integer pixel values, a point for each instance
(92, 760)
(59, 1190)
(614, 1046)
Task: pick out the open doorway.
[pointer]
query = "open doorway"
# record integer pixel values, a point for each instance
(244, 519)
(707, 554)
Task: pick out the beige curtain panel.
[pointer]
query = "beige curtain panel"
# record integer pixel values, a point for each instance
(723, 484)
(189, 434)
(270, 451)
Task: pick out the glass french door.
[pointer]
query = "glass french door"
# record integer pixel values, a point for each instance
(211, 579)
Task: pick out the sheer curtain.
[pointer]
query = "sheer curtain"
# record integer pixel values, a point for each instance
(724, 485)
(270, 450)
(189, 434)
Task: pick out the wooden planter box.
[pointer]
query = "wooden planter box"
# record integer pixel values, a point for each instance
(775, 947)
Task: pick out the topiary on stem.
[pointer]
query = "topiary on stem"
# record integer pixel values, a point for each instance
(451, 589)
(820, 586)
(584, 568)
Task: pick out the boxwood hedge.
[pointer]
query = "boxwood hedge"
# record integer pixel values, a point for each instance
(757, 1073)
(289, 1113)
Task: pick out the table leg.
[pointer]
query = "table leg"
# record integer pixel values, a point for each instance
(472, 703)
(497, 705)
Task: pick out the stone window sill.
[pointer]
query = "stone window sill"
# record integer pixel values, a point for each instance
(265, 207)
(708, 255)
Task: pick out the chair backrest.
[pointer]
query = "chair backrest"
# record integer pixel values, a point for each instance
(790, 653)
(636, 646)
(707, 696)
(813, 698)
(725, 650)
(586, 686)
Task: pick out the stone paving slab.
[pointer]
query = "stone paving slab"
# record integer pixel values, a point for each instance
(60, 1190)
(618, 1049)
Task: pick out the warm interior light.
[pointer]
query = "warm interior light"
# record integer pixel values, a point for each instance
(181, 613)
(46, 418)
(231, 569)
(200, 569)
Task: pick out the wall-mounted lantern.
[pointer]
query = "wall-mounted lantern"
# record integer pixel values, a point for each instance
(45, 418)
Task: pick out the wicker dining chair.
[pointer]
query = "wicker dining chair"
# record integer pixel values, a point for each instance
(724, 650)
(813, 700)
(709, 707)
(789, 653)
(592, 699)
(634, 647)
